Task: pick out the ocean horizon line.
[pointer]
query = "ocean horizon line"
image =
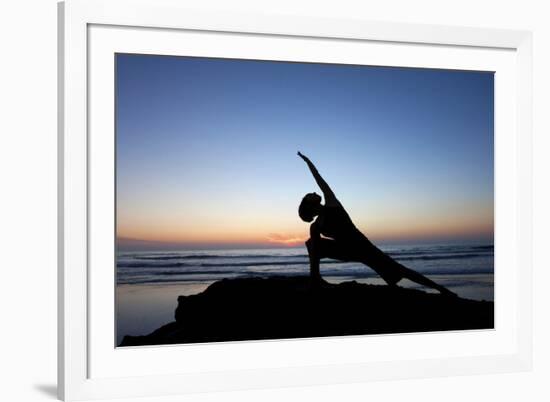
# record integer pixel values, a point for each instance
(167, 247)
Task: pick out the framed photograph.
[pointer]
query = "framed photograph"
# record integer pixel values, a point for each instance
(251, 201)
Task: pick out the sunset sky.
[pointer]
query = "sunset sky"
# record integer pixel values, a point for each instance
(206, 150)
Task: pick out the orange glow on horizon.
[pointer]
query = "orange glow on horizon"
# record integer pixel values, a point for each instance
(253, 226)
(286, 240)
(388, 232)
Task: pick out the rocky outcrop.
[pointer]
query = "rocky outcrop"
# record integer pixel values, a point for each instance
(292, 307)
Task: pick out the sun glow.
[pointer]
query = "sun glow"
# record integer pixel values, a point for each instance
(286, 240)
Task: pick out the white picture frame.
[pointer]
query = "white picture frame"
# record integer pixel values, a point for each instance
(79, 377)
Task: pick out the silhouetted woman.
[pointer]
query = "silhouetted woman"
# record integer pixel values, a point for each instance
(343, 241)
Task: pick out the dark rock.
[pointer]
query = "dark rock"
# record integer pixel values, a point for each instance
(293, 307)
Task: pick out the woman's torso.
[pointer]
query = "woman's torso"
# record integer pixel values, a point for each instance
(334, 222)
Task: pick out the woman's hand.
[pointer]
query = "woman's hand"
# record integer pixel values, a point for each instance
(301, 155)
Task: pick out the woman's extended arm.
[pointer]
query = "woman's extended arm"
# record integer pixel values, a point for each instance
(327, 192)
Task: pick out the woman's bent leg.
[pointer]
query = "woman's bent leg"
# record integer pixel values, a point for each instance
(314, 260)
(325, 248)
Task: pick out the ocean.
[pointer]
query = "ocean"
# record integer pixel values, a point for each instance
(148, 282)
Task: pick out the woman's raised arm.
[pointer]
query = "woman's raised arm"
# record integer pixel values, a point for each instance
(327, 191)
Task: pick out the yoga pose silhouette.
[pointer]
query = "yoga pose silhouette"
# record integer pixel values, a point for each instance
(343, 241)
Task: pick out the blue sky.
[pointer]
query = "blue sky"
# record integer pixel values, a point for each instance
(206, 149)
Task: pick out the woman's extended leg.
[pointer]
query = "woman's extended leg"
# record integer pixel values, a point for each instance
(422, 280)
(387, 267)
